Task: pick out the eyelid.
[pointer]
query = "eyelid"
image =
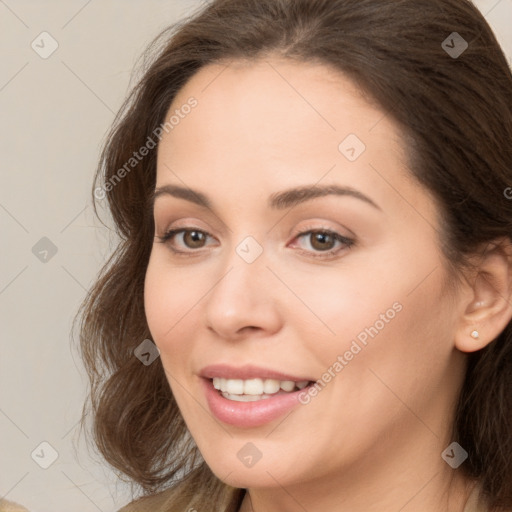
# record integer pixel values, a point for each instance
(347, 241)
(172, 232)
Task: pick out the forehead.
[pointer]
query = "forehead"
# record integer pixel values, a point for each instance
(269, 124)
(279, 92)
(274, 106)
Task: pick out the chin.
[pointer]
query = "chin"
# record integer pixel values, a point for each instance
(250, 478)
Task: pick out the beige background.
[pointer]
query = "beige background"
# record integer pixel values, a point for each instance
(54, 114)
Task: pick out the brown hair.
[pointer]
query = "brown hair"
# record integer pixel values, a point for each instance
(456, 114)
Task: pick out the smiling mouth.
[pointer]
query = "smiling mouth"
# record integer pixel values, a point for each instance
(251, 390)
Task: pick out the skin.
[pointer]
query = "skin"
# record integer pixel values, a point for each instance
(372, 438)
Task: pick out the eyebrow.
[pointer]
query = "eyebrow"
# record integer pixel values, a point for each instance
(277, 201)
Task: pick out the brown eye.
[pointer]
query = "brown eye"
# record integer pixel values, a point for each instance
(194, 239)
(186, 240)
(322, 241)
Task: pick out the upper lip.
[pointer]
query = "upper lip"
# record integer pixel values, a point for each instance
(226, 371)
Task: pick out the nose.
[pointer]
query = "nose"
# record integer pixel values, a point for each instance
(243, 300)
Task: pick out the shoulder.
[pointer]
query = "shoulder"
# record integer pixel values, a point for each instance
(9, 506)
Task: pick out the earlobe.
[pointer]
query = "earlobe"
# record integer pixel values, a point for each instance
(489, 309)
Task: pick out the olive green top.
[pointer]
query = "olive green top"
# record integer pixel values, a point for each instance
(160, 503)
(153, 505)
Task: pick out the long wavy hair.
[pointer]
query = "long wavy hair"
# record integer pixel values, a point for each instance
(456, 116)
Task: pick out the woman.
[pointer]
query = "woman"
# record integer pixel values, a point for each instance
(310, 305)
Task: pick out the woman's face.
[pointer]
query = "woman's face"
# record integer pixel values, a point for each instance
(273, 287)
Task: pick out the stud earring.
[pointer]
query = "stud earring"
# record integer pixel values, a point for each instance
(475, 335)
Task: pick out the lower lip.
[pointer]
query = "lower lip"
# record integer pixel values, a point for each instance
(249, 414)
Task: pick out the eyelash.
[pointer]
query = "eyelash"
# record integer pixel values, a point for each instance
(348, 242)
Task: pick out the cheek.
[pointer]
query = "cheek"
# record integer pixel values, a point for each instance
(343, 303)
(169, 298)
(393, 315)
(401, 349)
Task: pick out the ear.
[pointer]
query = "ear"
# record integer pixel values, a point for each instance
(488, 308)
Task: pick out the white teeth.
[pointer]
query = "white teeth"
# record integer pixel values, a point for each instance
(245, 398)
(255, 387)
(271, 386)
(235, 386)
(287, 385)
